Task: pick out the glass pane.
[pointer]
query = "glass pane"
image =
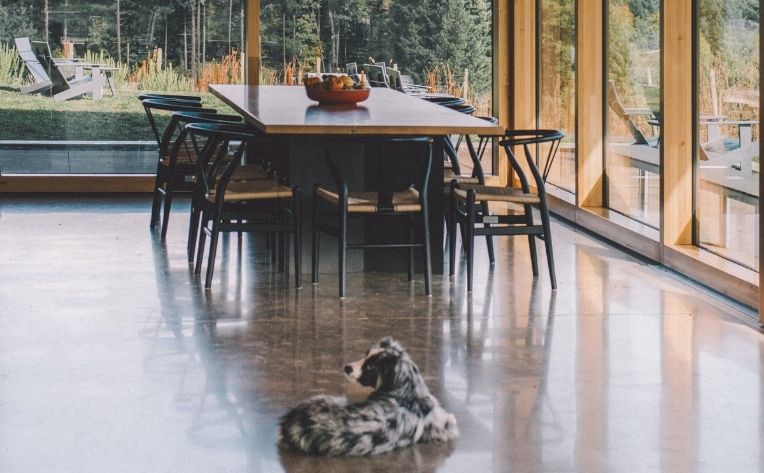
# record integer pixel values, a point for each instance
(728, 129)
(69, 85)
(436, 46)
(633, 111)
(557, 83)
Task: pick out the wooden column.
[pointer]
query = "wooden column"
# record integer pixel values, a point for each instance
(253, 42)
(676, 123)
(502, 54)
(589, 97)
(522, 79)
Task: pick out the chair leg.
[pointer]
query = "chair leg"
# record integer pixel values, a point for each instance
(427, 250)
(296, 204)
(453, 216)
(411, 248)
(342, 248)
(193, 231)
(470, 242)
(215, 234)
(532, 241)
(166, 209)
(316, 242)
(548, 243)
(202, 241)
(488, 238)
(157, 199)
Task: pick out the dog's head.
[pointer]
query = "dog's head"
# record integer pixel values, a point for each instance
(386, 367)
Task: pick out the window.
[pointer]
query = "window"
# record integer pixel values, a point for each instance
(445, 45)
(633, 109)
(727, 158)
(557, 84)
(138, 45)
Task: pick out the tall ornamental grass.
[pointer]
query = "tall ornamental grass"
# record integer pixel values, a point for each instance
(11, 67)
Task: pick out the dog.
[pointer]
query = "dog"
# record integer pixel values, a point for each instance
(399, 412)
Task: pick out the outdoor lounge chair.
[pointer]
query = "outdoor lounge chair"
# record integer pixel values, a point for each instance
(49, 79)
(42, 81)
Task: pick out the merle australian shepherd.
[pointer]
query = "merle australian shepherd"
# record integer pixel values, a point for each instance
(400, 412)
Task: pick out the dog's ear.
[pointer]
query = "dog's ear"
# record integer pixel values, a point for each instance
(369, 374)
(387, 365)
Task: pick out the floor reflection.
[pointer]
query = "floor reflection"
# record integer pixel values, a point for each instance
(621, 369)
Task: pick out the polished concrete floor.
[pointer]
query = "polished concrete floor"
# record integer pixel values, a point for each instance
(114, 359)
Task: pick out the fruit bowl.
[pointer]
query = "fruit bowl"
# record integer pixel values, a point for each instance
(334, 97)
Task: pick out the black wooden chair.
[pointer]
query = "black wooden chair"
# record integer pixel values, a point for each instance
(408, 202)
(255, 205)
(182, 150)
(184, 170)
(475, 177)
(477, 221)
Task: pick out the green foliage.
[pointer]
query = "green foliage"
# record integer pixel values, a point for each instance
(620, 31)
(11, 67)
(15, 21)
(558, 35)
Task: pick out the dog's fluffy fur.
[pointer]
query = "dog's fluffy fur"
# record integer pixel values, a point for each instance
(400, 412)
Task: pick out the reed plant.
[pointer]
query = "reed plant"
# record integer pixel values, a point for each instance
(225, 71)
(11, 67)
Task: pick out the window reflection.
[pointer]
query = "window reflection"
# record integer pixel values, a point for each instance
(633, 109)
(727, 158)
(557, 83)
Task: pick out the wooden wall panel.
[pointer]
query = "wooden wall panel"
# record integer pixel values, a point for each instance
(522, 72)
(677, 123)
(253, 42)
(502, 54)
(589, 88)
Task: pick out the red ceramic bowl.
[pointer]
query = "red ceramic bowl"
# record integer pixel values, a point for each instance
(333, 97)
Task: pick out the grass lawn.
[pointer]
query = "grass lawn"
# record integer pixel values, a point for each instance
(120, 118)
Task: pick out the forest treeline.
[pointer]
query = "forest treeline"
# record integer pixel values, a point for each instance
(416, 34)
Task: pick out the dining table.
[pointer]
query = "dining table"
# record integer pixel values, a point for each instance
(299, 128)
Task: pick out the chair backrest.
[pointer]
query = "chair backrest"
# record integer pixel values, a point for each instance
(149, 105)
(216, 164)
(176, 136)
(391, 154)
(394, 79)
(35, 68)
(151, 95)
(41, 50)
(178, 120)
(375, 75)
(615, 104)
(528, 139)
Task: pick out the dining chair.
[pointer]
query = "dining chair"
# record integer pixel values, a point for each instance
(406, 203)
(256, 205)
(182, 152)
(475, 177)
(184, 171)
(478, 221)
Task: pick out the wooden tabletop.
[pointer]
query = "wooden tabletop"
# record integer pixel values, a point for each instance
(287, 110)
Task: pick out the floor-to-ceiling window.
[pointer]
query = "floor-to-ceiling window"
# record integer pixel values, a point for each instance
(54, 122)
(557, 84)
(444, 45)
(633, 108)
(728, 132)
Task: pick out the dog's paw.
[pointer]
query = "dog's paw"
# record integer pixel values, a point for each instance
(451, 428)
